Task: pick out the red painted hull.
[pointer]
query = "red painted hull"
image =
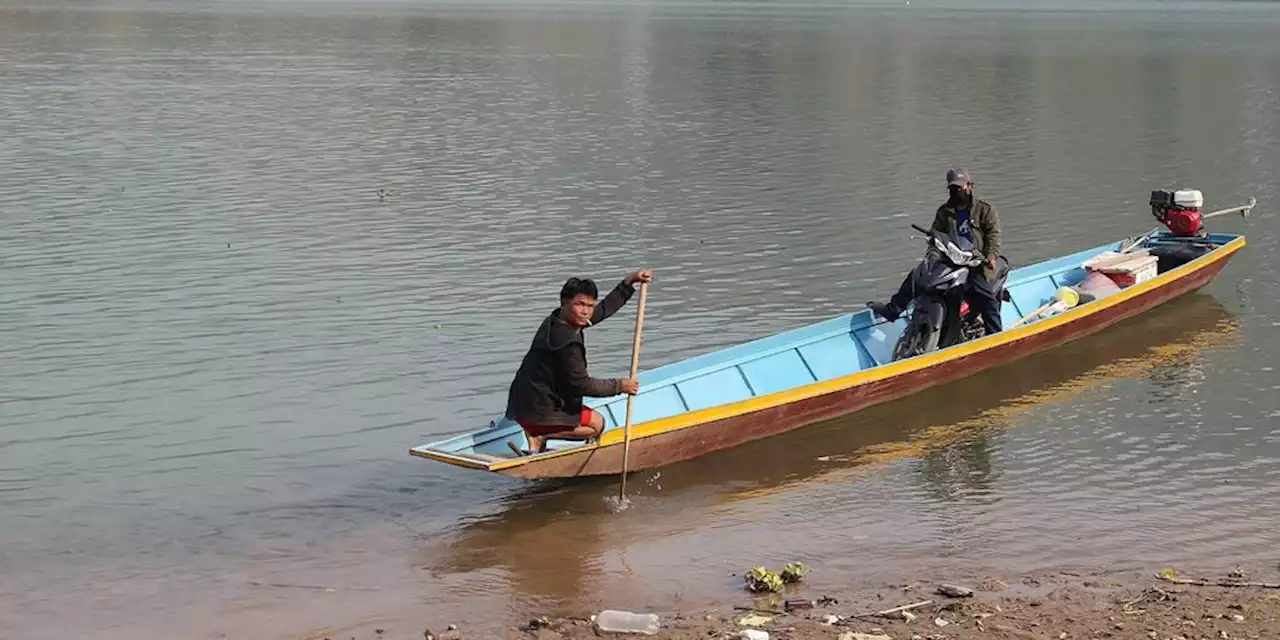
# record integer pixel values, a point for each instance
(691, 442)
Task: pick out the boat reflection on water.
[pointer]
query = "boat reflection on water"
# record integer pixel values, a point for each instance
(956, 422)
(551, 542)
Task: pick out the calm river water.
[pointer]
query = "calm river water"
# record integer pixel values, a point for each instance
(219, 340)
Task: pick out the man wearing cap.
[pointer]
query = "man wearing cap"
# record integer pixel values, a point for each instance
(977, 221)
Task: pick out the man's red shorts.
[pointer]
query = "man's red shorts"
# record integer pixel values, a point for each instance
(543, 429)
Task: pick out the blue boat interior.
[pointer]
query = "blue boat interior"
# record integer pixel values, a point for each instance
(829, 349)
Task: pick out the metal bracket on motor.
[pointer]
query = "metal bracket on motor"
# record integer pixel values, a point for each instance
(1244, 210)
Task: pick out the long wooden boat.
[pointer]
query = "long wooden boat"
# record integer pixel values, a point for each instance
(810, 374)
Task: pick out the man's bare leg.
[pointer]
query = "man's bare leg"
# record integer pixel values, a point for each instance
(596, 426)
(538, 444)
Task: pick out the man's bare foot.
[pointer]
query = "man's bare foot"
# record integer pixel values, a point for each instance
(537, 444)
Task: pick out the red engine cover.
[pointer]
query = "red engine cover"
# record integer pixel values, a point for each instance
(964, 308)
(1183, 222)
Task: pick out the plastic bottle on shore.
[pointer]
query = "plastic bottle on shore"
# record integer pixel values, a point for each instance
(627, 622)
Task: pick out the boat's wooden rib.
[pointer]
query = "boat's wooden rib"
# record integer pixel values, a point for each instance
(796, 378)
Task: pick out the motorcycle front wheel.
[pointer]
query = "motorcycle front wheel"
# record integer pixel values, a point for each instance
(917, 338)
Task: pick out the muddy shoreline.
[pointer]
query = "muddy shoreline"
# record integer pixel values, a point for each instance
(1056, 605)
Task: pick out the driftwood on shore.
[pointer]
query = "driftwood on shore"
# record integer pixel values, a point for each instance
(889, 612)
(1156, 593)
(1220, 583)
(773, 612)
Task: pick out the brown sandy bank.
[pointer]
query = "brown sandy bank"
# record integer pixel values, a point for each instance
(1055, 606)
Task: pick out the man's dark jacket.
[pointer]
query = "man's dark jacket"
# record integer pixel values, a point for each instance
(552, 380)
(984, 222)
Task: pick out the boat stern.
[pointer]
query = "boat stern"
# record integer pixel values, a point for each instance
(490, 449)
(481, 449)
(464, 460)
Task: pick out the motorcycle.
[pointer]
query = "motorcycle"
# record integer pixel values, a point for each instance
(941, 317)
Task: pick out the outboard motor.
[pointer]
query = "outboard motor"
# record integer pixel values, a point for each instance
(1179, 211)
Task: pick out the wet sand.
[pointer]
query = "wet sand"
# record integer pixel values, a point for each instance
(1051, 605)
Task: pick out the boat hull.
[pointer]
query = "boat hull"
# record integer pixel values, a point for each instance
(785, 414)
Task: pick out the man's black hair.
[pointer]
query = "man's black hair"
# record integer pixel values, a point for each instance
(575, 286)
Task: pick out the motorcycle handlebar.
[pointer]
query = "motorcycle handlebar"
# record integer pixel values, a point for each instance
(977, 262)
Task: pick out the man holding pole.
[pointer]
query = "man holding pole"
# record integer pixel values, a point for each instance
(545, 397)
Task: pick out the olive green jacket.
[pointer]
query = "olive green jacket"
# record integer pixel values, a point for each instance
(984, 221)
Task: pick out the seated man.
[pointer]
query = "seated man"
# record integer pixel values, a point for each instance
(962, 213)
(546, 395)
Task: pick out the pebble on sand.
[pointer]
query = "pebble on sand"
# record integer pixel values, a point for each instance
(954, 591)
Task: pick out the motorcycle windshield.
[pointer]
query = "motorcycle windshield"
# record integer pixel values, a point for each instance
(956, 249)
(936, 275)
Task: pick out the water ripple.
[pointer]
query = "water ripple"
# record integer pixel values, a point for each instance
(220, 339)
